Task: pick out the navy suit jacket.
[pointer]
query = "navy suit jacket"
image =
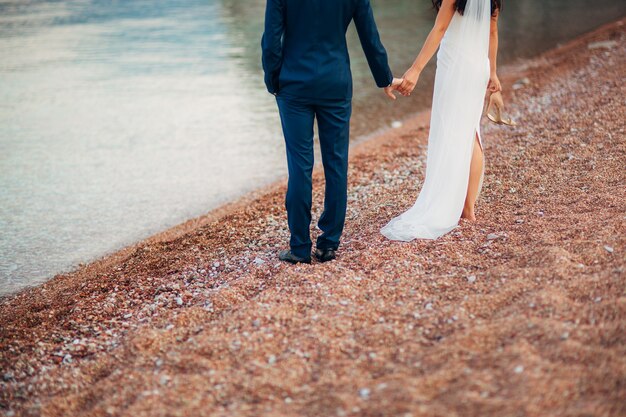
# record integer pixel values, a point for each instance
(305, 53)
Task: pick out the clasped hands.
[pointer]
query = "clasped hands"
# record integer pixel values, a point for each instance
(404, 85)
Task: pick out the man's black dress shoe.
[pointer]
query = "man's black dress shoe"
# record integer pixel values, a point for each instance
(325, 255)
(287, 256)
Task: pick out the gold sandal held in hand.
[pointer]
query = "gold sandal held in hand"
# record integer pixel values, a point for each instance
(495, 109)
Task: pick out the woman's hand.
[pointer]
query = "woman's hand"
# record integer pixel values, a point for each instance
(409, 81)
(494, 83)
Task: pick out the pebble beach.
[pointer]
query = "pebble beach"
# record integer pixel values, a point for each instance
(521, 313)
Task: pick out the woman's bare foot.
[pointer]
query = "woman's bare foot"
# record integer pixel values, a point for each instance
(468, 214)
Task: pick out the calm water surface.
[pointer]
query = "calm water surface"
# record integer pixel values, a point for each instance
(120, 119)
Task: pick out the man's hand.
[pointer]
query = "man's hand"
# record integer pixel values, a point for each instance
(409, 80)
(394, 86)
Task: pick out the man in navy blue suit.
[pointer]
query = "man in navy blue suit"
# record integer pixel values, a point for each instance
(307, 68)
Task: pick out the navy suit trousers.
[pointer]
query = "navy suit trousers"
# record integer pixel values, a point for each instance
(333, 120)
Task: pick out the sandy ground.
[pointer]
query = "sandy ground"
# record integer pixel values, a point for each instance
(522, 313)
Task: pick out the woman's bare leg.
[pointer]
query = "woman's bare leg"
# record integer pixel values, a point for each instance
(476, 173)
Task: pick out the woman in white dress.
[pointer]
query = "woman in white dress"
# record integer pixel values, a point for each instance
(466, 34)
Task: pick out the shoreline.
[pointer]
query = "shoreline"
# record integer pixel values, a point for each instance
(191, 296)
(419, 120)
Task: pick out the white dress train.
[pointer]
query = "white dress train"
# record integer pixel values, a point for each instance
(460, 85)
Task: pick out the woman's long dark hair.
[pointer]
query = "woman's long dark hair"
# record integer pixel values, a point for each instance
(460, 5)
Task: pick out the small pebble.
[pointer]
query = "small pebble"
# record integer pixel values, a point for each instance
(364, 393)
(610, 44)
(519, 369)
(521, 83)
(471, 279)
(271, 359)
(609, 249)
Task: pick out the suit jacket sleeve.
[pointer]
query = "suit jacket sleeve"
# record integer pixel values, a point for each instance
(271, 44)
(372, 46)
